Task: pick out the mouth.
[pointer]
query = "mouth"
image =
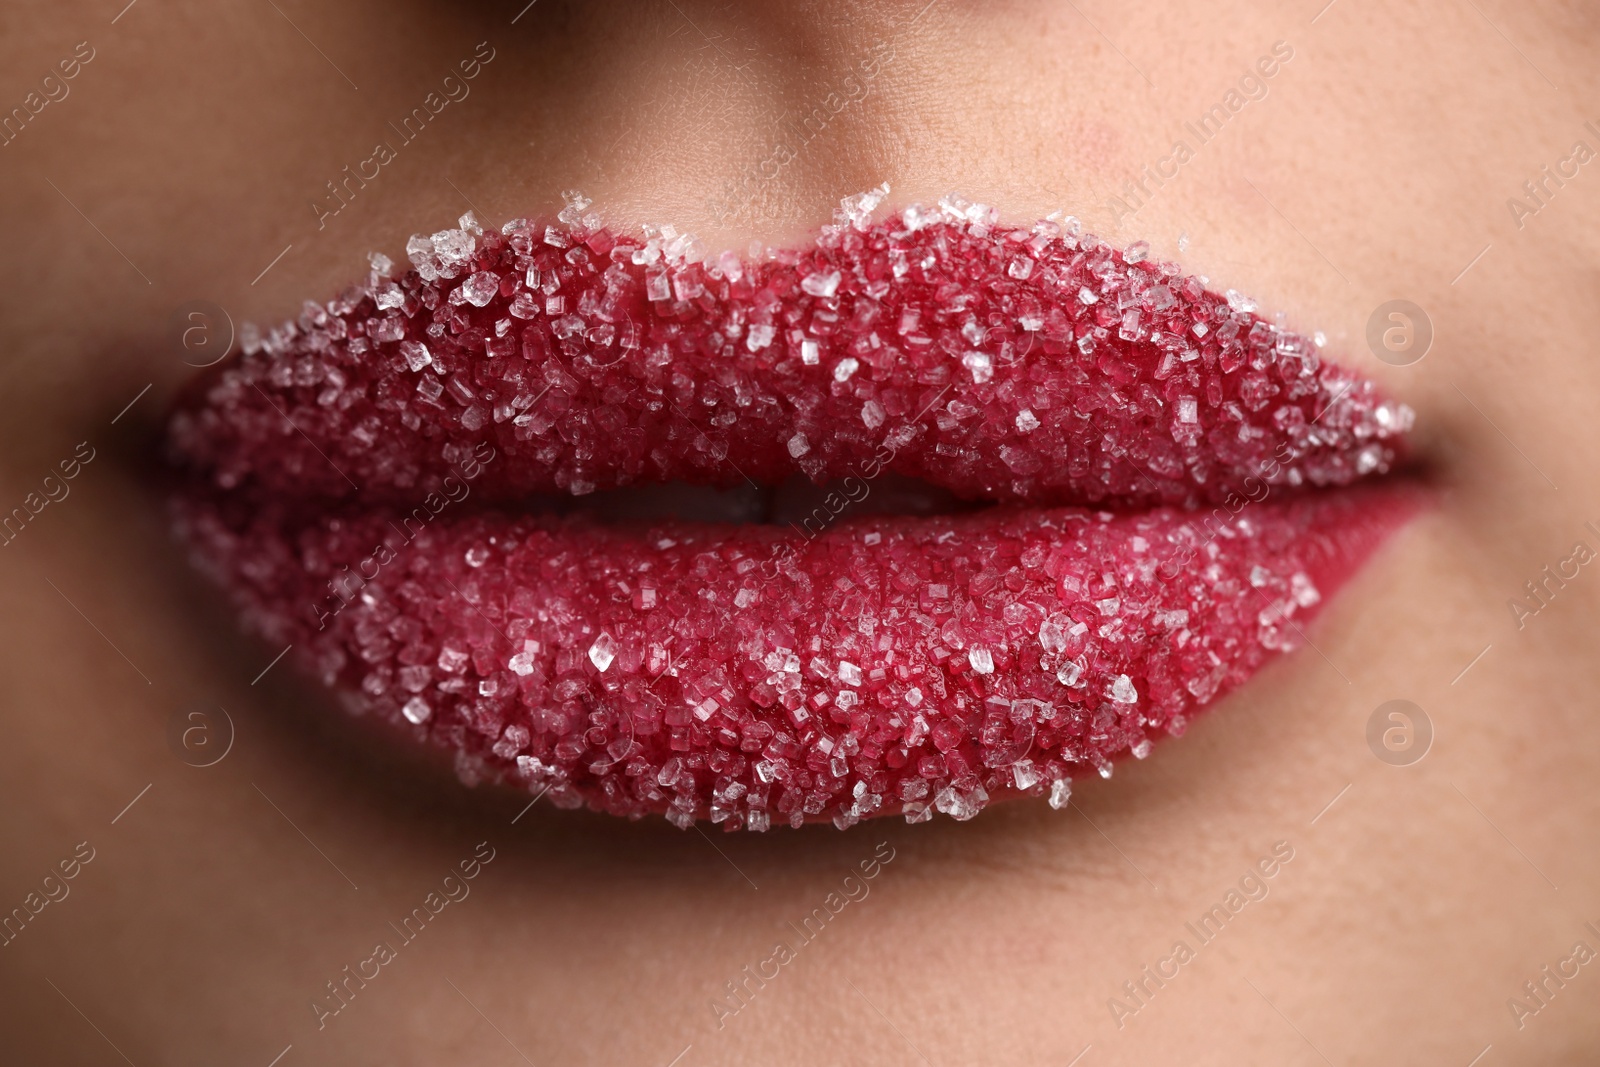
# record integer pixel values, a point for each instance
(932, 512)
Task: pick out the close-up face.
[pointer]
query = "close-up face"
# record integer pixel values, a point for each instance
(699, 532)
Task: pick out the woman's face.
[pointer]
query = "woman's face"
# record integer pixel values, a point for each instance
(1289, 882)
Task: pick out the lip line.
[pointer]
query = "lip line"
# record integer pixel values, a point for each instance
(1269, 512)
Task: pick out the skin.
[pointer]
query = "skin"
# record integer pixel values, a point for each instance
(1376, 167)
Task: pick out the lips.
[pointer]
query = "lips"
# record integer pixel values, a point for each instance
(1140, 491)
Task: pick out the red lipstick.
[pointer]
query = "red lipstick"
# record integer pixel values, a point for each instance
(1045, 500)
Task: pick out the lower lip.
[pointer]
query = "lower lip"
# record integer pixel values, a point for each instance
(753, 675)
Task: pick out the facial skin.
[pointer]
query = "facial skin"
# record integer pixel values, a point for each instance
(1374, 163)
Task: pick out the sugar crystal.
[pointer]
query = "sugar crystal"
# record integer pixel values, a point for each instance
(820, 284)
(603, 652)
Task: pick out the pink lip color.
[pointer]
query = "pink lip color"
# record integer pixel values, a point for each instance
(1157, 458)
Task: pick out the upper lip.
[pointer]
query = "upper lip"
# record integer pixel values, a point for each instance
(1120, 383)
(1034, 367)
